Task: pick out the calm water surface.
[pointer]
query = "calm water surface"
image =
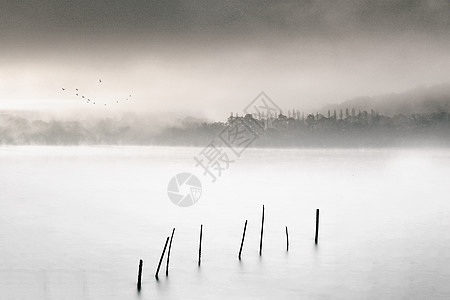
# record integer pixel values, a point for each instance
(74, 222)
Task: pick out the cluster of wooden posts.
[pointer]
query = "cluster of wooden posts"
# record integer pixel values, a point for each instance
(139, 282)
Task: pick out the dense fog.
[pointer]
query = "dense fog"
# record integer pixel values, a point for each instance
(415, 118)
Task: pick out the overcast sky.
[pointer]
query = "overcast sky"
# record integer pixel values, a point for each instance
(212, 57)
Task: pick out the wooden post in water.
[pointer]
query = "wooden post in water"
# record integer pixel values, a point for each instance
(139, 275)
(287, 239)
(262, 230)
(242, 242)
(160, 260)
(316, 239)
(168, 252)
(200, 246)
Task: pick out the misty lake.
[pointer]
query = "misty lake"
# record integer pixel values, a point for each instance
(74, 222)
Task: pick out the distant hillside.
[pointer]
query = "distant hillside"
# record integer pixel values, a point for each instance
(416, 118)
(419, 100)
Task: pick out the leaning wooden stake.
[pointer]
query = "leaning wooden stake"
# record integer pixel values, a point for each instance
(160, 260)
(200, 246)
(139, 275)
(262, 230)
(316, 239)
(168, 253)
(287, 239)
(242, 242)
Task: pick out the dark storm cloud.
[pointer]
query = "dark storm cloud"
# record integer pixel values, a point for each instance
(218, 19)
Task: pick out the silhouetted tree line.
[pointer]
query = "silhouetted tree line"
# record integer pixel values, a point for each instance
(352, 128)
(343, 128)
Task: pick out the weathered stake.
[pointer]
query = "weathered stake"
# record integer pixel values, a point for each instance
(242, 242)
(139, 275)
(262, 230)
(168, 253)
(287, 239)
(160, 260)
(316, 239)
(200, 246)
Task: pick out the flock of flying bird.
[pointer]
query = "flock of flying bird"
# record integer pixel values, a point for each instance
(88, 100)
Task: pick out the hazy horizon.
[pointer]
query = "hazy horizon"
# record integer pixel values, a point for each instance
(421, 99)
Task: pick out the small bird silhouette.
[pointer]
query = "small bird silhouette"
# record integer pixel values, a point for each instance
(76, 89)
(82, 97)
(63, 89)
(76, 94)
(99, 81)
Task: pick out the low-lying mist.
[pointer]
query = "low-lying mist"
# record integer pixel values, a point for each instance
(419, 117)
